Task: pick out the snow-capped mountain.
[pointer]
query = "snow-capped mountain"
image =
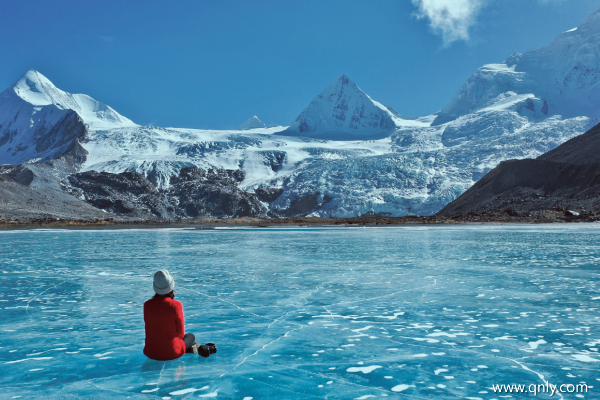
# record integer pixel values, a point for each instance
(251, 123)
(35, 117)
(562, 78)
(346, 154)
(342, 111)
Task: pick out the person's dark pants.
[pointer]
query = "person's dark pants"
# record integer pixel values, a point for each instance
(189, 339)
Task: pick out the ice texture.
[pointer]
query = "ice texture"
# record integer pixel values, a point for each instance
(409, 312)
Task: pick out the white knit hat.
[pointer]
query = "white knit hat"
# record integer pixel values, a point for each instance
(163, 282)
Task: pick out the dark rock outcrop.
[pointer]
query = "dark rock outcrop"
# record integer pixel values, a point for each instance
(125, 193)
(268, 195)
(67, 131)
(214, 193)
(49, 141)
(18, 173)
(301, 205)
(194, 193)
(563, 183)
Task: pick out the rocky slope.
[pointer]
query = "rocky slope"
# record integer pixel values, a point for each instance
(214, 193)
(194, 193)
(565, 181)
(33, 192)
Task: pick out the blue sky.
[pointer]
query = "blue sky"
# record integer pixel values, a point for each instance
(213, 64)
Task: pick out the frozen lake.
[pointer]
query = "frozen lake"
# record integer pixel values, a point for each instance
(438, 312)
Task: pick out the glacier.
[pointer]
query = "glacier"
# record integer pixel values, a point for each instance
(437, 312)
(346, 154)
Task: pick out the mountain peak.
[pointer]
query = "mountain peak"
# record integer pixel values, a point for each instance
(340, 84)
(35, 88)
(342, 111)
(562, 77)
(251, 123)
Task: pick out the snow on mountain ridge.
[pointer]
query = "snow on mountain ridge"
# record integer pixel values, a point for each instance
(343, 111)
(564, 76)
(37, 90)
(31, 111)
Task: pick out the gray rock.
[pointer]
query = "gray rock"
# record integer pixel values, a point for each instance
(194, 193)
(125, 193)
(214, 193)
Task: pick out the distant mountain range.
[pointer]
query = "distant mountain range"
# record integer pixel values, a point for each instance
(345, 155)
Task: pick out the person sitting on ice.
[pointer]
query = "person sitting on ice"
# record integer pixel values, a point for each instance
(163, 316)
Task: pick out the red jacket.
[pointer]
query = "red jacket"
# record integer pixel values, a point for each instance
(164, 329)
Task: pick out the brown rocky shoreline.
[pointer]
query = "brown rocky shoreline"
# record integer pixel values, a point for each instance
(507, 216)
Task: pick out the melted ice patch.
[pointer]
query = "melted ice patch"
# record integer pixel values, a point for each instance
(364, 370)
(27, 359)
(212, 394)
(584, 358)
(396, 315)
(428, 340)
(186, 391)
(450, 335)
(103, 354)
(426, 325)
(534, 345)
(401, 388)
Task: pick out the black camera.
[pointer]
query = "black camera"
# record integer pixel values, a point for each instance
(207, 349)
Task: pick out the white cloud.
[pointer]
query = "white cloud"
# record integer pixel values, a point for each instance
(449, 18)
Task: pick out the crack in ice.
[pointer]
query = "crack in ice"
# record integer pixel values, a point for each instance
(39, 294)
(225, 301)
(258, 351)
(285, 315)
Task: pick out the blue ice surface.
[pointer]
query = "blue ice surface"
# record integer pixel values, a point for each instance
(415, 312)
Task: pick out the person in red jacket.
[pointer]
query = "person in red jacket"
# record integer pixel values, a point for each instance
(163, 315)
